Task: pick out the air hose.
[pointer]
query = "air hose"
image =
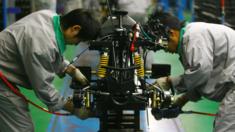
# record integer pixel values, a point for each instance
(16, 91)
(197, 112)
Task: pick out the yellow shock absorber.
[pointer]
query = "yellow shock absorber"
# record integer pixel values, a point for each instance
(103, 62)
(87, 100)
(138, 61)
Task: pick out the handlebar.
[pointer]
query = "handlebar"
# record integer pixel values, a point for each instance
(98, 45)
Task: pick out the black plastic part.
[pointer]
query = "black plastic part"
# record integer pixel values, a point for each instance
(160, 70)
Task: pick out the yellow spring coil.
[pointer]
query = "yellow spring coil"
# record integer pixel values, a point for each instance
(103, 62)
(138, 61)
(87, 100)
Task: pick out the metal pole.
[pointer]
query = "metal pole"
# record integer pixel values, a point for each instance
(4, 13)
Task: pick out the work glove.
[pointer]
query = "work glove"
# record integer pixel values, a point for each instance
(82, 113)
(76, 74)
(164, 83)
(171, 112)
(181, 100)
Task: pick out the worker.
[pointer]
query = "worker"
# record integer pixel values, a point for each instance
(31, 53)
(206, 52)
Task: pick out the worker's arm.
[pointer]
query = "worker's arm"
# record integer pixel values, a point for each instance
(198, 65)
(76, 74)
(181, 100)
(39, 55)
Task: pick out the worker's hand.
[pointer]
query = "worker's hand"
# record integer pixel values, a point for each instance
(81, 113)
(68, 106)
(181, 100)
(171, 112)
(163, 83)
(76, 74)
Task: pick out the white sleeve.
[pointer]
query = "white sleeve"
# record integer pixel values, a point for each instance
(37, 58)
(198, 66)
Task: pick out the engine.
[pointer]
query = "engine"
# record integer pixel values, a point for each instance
(120, 82)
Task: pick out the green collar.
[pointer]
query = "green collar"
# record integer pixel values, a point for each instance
(58, 34)
(182, 30)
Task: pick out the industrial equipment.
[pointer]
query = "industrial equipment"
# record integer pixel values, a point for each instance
(118, 91)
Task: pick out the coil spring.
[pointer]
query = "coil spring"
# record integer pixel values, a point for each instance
(87, 100)
(103, 62)
(138, 61)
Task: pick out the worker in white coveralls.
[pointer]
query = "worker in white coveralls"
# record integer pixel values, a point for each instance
(207, 52)
(31, 53)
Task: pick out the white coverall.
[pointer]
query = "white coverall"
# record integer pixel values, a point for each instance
(207, 53)
(29, 57)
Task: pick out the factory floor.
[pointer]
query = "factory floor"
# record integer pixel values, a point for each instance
(184, 123)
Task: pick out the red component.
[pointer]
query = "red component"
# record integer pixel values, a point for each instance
(132, 48)
(222, 3)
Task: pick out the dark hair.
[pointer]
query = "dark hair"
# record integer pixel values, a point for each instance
(90, 28)
(168, 20)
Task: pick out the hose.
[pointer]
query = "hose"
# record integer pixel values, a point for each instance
(197, 112)
(15, 90)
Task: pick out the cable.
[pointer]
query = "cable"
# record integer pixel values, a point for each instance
(145, 34)
(77, 57)
(156, 87)
(15, 90)
(197, 112)
(104, 37)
